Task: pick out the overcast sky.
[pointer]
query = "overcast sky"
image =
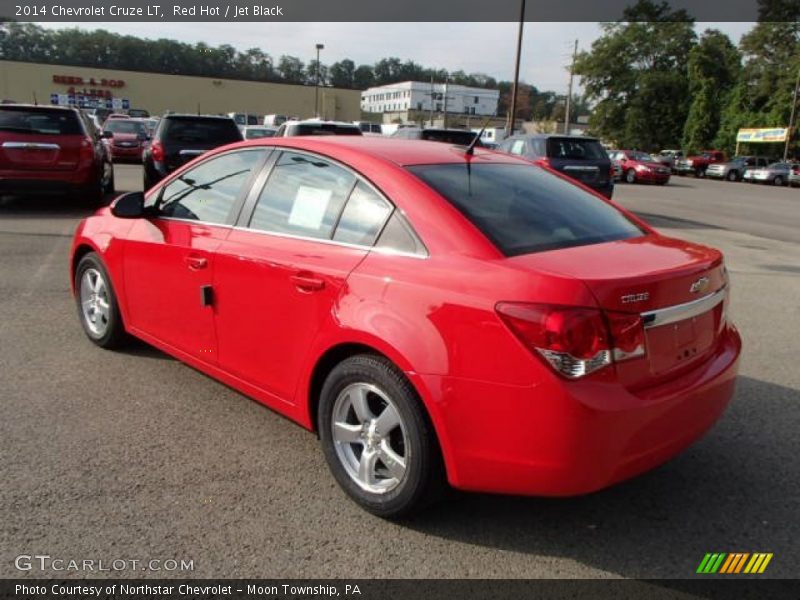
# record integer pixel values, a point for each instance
(473, 47)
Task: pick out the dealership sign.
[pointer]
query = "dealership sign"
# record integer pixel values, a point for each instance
(762, 135)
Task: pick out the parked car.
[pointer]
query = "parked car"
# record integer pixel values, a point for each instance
(128, 139)
(100, 113)
(641, 167)
(244, 119)
(316, 127)
(582, 158)
(181, 138)
(252, 132)
(461, 137)
(435, 317)
(734, 169)
(668, 158)
(117, 116)
(52, 150)
(794, 177)
(274, 120)
(697, 165)
(776, 173)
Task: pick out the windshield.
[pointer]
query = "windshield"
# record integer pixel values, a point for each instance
(642, 157)
(252, 133)
(201, 130)
(523, 208)
(324, 129)
(118, 126)
(461, 138)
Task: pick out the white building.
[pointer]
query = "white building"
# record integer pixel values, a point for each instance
(417, 95)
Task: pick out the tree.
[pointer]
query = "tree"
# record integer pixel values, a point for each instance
(314, 76)
(342, 73)
(363, 77)
(635, 72)
(713, 70)
(291, 69)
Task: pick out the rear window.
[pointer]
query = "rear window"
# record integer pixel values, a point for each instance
(461, 138)
(323, 129)
(576, 149)
(120, 126)
(524, 209)
(40, 121)
(219, 131)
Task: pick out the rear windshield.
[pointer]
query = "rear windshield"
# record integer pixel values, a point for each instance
(461, 138)
(255, 133)
(524, 209)
(212, 131)
(323, 129)
(120, 126)
(40, 121)
(577, 149)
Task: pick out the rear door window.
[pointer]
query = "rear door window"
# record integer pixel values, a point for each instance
(303, 196)
(523, 208)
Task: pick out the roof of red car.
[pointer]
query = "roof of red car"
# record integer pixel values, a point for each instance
(399, 151)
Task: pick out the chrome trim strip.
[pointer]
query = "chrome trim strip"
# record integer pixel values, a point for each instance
(30, 146)
(679, 312)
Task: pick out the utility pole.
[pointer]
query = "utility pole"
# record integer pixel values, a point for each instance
(433, 96)
(791, 118)
(512, 114)
(316, 83)
(569, 89)
(446, 78)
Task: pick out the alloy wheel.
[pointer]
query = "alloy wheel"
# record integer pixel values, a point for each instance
(369, 437)
(95, 305)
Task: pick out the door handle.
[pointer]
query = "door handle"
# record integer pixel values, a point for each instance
(307, 283)
(196, 263)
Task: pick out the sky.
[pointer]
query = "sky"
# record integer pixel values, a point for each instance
(472, 47)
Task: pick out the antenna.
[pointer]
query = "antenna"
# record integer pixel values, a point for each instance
(471, 148)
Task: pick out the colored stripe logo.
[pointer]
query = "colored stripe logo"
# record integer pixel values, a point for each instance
(734, 563)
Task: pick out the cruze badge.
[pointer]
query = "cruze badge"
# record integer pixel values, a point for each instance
(699, 286)
(629, 298)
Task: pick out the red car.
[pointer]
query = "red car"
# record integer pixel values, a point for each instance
(52, 150)
(435, 315)
(640, 167)
(128, 138)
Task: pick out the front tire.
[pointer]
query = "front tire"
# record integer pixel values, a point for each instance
(733, 176)
(630, 176)
(778, 181)
(377, 439)
(98, 309)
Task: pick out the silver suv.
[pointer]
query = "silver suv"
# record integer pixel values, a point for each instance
(734, 169)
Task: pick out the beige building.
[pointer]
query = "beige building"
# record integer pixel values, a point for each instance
(157, 93)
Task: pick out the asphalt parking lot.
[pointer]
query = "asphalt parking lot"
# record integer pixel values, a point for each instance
(134, 455)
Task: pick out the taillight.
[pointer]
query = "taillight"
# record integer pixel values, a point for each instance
(87, 150)
(157, 151)
(575, 341)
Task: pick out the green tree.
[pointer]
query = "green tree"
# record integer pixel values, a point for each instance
(291, 69)
(636, 75)
(363, 77)
(713, 69)
(342, 73)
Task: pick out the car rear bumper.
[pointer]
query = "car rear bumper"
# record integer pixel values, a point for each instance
(45, 182)
(126, 153)
(716, 174)
(567, 438)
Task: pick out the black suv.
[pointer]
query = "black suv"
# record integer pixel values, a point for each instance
(180, 138)
(578, 157)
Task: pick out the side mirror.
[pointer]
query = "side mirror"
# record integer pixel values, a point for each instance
(107, 134)
(129, 206)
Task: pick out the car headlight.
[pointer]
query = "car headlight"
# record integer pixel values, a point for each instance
(641, 168)
(690, 162)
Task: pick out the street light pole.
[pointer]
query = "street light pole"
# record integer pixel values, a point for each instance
(513, 112)
(316, 84)
(791, 118)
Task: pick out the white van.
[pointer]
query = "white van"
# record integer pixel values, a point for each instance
(274, 120)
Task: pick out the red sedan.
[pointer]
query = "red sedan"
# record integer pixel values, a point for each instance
(435, 315)
(640, 167)
(128, 138)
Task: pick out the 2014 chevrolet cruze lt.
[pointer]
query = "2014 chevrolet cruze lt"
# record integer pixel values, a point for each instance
(434, 314)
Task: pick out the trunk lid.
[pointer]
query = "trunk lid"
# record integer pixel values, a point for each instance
(37, 138)
(662, 279)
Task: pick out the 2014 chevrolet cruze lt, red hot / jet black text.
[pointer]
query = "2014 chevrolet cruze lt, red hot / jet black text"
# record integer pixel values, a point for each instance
(435, 314)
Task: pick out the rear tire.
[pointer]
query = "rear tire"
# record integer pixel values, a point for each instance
(98, 309)
(733, 176)
(699, 173)
(377, 439)
(778, 180)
